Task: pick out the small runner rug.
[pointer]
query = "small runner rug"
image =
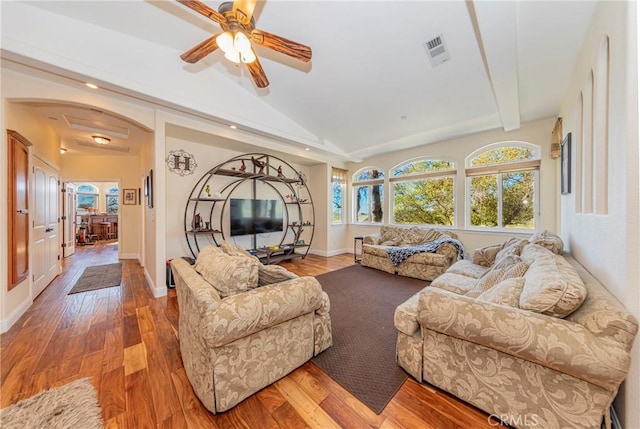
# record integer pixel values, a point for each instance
(74, 405)
(98, 277)
(363, 356)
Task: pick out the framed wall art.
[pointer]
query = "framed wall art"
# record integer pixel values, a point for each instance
(566, 165)
(129, 197)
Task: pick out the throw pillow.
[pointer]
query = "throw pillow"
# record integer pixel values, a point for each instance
(513, 246)
(229, 275)
(552, 287)
(234, 250)
(485, 256)
(496, 275)
(549, 240)
(507, 292)
(270, 274)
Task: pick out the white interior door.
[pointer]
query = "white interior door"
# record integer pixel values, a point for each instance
(46, 265)
(69, 220)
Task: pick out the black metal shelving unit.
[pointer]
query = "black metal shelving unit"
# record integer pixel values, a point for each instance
(204, 215)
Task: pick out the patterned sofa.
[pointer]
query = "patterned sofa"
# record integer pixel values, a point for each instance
(423, 265)
(533, 339)
(243, 325)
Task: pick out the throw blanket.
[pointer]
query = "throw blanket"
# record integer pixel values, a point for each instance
(400, 254)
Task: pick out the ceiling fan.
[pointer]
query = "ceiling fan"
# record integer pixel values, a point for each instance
(238, 25)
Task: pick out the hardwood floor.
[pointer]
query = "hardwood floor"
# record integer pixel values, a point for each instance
(126, 341)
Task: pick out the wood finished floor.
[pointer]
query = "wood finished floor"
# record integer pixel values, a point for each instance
(127, 342)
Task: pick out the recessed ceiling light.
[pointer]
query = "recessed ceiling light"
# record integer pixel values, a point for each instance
(91, 85)
(63, 150)
(233, 127)
(101, 140)
(404, 117)
(306, 148)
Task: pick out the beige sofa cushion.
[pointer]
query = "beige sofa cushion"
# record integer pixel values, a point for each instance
(509, 267)
(513, 246)
(234, 250)
(229, 275)
(507, 292)
(270, 274)
(552, 287)
(485, 256)
(455, 283)
(465, 267)
(548, 240)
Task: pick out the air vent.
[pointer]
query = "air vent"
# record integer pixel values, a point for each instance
(111, 146)
(436, 50)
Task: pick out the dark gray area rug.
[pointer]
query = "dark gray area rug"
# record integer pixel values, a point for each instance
(98, 277)
(363, 356)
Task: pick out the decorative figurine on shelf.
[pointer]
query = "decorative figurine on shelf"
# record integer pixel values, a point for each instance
(292, 197)
(197, 220)
(207, 226)
(243, 167)
(302, 200)
(308, 222)
(280, 172)
(258, 164)
(207, 190)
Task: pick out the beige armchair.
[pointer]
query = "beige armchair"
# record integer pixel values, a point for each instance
(235, 346)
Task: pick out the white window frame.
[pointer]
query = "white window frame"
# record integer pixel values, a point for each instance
(442, 174)
(499, 169)
(369, 184)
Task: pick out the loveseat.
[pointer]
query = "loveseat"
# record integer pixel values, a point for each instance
(534, 339)
(425, 265)
(243, 325)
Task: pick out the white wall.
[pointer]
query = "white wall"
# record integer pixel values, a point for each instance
(457, 150)
(608, 244)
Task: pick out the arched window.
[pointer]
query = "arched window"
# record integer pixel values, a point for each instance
(502, 186)
(87, 198)
(423, 192)
(368, 195)
(112, 200)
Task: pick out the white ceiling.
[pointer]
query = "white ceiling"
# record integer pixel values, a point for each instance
(370, 88)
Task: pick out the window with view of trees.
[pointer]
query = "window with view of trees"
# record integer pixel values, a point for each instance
(368, 195)
(502, 184)
(423, 192)
(112, 200)
(87, 198)
(338, 182)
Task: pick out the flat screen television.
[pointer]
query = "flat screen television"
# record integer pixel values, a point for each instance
(255, 216)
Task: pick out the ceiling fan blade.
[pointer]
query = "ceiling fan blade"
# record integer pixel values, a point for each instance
(201, 50)
(205, 10)
(257, 74)
(282, 45)
(243, 10)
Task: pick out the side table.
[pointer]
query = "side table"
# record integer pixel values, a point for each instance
(357, 248)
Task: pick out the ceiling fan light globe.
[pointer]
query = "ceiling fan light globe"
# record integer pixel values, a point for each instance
(233, 56)
(248, 57)
(241, 42)
(225, 42)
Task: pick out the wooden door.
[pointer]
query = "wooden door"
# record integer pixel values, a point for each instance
(69, 219)
(18, 216)
(45, 226)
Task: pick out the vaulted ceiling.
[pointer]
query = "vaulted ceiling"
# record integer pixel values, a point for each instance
(370, 87)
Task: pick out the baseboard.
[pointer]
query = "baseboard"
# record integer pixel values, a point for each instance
(156, 291)
(7, 323)
(329, 253)
(129, 256)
